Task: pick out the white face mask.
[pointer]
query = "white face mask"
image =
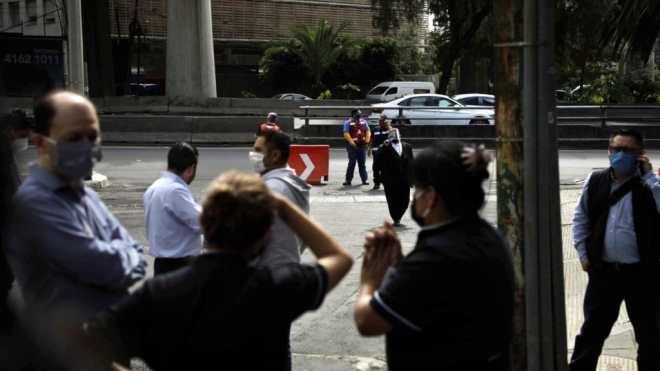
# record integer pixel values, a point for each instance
(19, 145)
(257, 161)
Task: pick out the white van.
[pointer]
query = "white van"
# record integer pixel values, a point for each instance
(389, 90)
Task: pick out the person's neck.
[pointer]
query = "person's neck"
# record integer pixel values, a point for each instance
(620, 177)
(46, 165)
(277, 167)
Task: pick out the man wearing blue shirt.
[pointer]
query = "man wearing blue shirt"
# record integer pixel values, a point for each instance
(615, 231)
(171, 215)
(69, 254)
(357, 136)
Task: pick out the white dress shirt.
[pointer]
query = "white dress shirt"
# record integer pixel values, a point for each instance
(171, 218)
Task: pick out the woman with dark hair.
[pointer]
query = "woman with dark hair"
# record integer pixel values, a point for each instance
(220, 312)
(448, 304)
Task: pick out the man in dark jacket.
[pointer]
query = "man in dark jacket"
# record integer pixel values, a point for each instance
(615, 233)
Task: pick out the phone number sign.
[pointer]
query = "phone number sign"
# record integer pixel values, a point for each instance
(30, 66)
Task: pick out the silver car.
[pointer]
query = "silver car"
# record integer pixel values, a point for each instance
(431, 109)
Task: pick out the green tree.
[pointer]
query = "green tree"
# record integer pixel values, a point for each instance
(318, 47)
(633, 27)
(281, 68)
(459, 21)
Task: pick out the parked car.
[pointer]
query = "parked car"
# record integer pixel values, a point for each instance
(435, 109)
(390, 90)
(474, 99)
(291, 96)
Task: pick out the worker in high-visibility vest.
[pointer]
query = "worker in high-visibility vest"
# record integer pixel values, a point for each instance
(269, 125)
(357, 136)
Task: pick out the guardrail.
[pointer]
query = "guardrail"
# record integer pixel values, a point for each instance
(603, 115)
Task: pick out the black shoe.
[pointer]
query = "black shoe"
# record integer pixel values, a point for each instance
(376, 187)
(365, 183)
(346, 183)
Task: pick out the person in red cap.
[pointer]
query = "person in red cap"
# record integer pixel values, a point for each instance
(269, 125)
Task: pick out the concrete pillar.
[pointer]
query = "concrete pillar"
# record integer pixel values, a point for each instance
(190, 58)
(76, 81)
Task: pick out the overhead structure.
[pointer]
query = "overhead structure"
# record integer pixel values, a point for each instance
(75, 59)
(190, 58)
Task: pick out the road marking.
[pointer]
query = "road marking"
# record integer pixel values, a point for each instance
(309, 166)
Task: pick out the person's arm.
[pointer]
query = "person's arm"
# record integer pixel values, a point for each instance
(181, 205)
(74, 249)
(347, 133)
(335, 259)
(368, 136)
(382, 250)
(581, 226)
(652, 180)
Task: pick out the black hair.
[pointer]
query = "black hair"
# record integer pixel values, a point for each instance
(355, 112)
(181, 156)
(629, 133)
(279, 141)
(441, 166)
(44, 111)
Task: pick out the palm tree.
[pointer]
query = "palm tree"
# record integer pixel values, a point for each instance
(319, 48)
(633, 26)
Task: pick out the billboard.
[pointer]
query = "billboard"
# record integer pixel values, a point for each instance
(30, 66)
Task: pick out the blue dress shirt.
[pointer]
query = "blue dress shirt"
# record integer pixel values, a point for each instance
(171, 218)
(67, 249)
(620, 237)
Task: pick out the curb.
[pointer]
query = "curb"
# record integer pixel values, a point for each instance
(98, 181)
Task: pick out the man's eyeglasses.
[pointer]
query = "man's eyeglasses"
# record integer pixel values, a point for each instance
(627, 150)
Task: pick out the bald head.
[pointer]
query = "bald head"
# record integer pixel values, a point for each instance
(62, 112)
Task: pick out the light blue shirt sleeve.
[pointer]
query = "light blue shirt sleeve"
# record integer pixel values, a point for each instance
(347, 126)
(182, 206)
(581, 223)
(73, 247)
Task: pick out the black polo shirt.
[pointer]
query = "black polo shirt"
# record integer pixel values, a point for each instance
(450, 301)
(217, 313)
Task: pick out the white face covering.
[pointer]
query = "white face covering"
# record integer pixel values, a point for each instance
(257, 161)
(19, 145)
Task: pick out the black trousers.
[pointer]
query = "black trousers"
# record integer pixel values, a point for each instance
(166, 265)
(397, 194)
(376, 166)
(608, 287)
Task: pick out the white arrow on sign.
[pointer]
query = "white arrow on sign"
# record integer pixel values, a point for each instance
(309, 166)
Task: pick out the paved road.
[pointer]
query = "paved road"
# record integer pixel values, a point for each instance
(327, 339)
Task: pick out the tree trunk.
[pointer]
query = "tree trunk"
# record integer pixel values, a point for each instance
(510, 197)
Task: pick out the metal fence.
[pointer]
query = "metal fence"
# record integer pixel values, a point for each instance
(592, 115)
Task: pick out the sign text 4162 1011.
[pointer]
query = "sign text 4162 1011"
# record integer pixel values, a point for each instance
(22, 58)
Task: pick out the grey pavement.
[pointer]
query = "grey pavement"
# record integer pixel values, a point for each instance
(327, 339)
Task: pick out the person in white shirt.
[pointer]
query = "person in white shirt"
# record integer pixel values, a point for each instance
(171, 215)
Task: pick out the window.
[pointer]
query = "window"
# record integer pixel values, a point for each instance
(488, 101)
(378, 90)
(392, 91)
(472, 101)
(417, 101)
(31, 10)
(446, 103)
(14, 14)
(421, 91)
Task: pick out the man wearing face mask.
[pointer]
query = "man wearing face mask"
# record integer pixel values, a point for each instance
(171, 215)
(269, 157)
(357, 136)
(449, 302)
(70, 255)
(615, 232)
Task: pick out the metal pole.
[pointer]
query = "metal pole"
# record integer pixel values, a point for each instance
(75, 47)
(509, 161)
(546, 323)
